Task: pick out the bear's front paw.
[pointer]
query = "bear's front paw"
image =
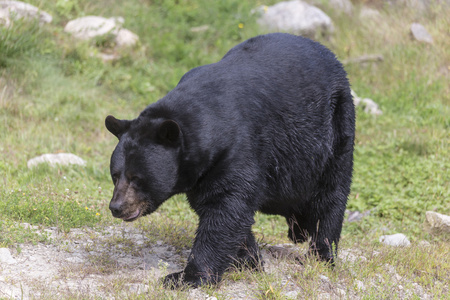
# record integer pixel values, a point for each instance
(179, 280)
(174, 280)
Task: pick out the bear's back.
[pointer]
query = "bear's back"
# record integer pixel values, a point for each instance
(268, 105)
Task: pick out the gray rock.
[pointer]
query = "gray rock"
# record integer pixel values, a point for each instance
(396, 240)
(420, 33)
(351, 256)
(126, 38)
(17, 9)
(437, 223)
(6, 257)
(56, 159)
(295, 17)
(354, 216)
(89, 27)
(424, 244)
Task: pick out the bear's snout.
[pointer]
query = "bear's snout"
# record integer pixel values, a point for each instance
(116, 208)
(123, 204)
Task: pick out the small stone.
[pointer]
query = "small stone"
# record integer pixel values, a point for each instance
(424, 244)
(396, 240)
(17, 9)
(437, 223)
(360, 285)
(324, 296)
(324, 278)
(340, 292)
(420, 33)
(92, 26)
(6, 257)
(126, 38)
(296, 17)
(369, 107)
(349, 256)
(56, 159)
(291, 295)
(356, 215)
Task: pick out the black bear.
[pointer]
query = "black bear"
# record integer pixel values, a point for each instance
(270, 128)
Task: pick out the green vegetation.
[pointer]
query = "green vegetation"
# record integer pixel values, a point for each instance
(55, 93)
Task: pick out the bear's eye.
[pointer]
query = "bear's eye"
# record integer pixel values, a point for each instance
(115, 177)
(135, 179)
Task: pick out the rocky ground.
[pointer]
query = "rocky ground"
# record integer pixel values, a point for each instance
(119, 261)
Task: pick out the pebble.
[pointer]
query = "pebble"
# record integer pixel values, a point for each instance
(360, 285)
(6, 257)
(324, 278)
(291, 295)
(396, 240)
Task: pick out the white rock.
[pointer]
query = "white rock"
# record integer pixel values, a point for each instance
(126, 38)
(4, 18)
(396, 240)
(341, 293)
(92, 26)
(350, 256)
(6, 257)
(291, 295)
(369, 105)
(324, 278)
(436, 222)
(324, 296)
(360, 285)
(420, 33)
(296, 17)
(55, 159)
(18, 9)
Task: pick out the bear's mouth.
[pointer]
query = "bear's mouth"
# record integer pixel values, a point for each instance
(133, 216)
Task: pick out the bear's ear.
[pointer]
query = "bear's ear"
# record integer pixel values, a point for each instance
(169, 131)
(116, 126)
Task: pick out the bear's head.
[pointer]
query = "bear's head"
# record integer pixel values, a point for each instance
(144, 165)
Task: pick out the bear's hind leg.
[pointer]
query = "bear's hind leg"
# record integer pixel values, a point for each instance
(327, 222)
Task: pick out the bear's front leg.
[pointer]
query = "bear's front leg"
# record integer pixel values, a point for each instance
(220, 235)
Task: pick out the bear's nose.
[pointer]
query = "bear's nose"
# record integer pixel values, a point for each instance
(115, 208)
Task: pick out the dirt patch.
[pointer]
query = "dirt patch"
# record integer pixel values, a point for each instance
(119, 262)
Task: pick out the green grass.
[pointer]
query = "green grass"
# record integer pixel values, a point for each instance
(55, 94)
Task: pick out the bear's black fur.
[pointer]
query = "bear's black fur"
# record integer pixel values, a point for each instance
(268, 128)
